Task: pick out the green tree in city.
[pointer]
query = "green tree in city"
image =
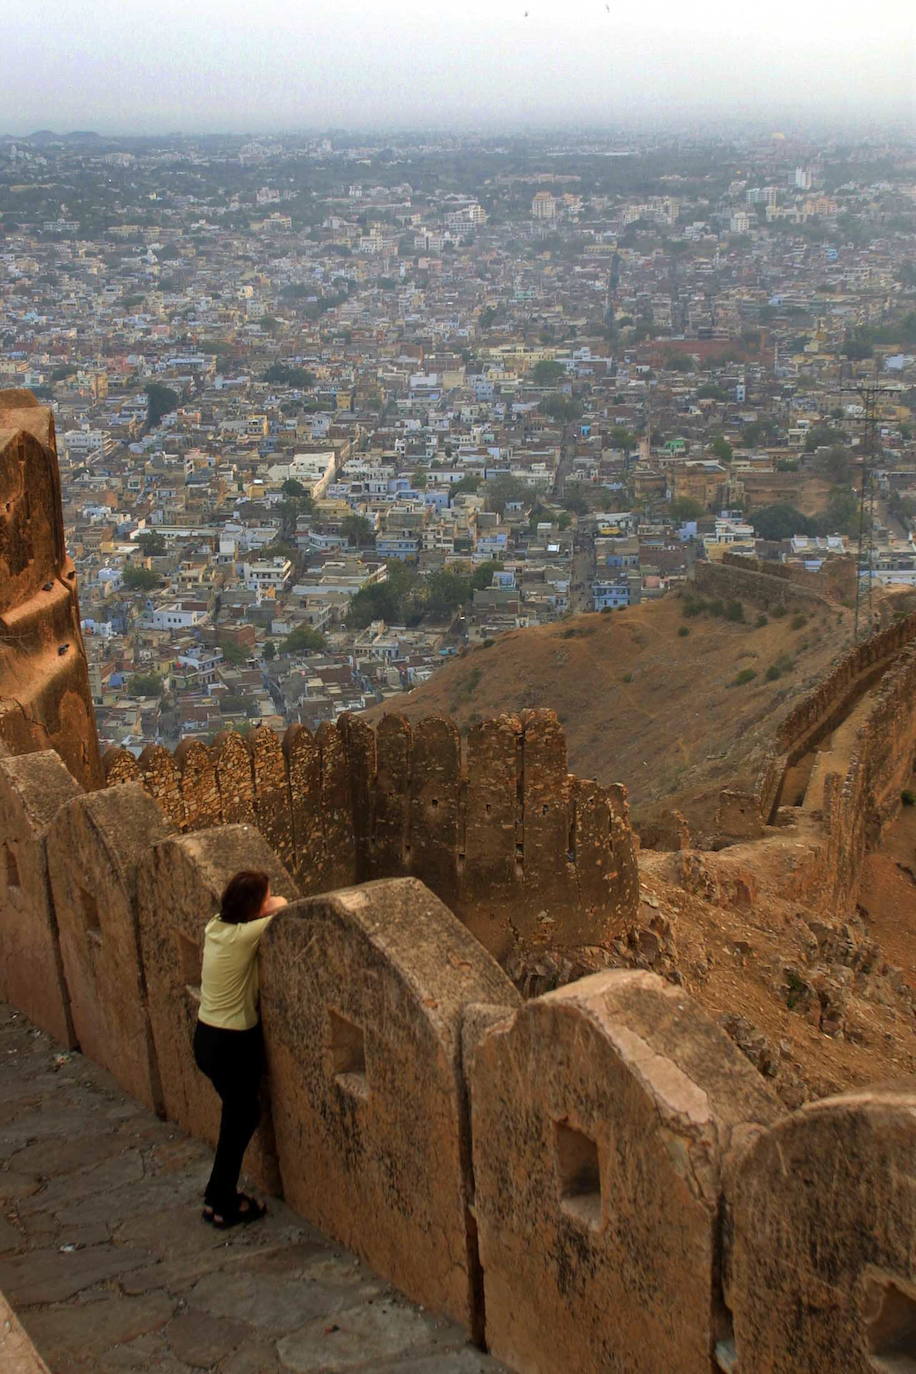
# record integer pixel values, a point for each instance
(837, 465)
(284, 374)
(563, 409)
(685, 508)
(445, 591)
(358, 530)
(823, 436)
(298, 495)
(841, 515)
(380, 601)
(576, 504)
(144, 685)
(503, 489)
(140, 579)
(720, 448)
(547, 372)
(304, 640)
(391, 600)
(160, 400)
(482, 576)
(856, 350)
(152, 544)
(233, 653)
(469, 483)
(780, 521)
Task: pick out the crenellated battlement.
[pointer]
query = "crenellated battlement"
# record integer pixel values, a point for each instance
(524, 852)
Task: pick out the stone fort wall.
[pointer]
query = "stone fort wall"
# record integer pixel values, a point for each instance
(595, 1179)
(43, 670)
(836, 579)
(861, 799)
(888, 740)
(748, 579)
(526, 854)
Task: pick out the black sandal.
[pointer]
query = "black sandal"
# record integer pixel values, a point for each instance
(247, 1209)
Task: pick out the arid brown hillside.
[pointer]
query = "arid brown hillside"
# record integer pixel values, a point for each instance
(648, 697)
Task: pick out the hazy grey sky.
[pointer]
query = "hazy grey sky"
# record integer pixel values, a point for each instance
(198, 65)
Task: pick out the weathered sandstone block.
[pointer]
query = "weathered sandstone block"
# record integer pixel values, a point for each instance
(235, 778)
(599, 1118)
(821, 1267)
(489, 884)
(199, 785)
(181, 880)
(163, 781)
(363, 994)
(391, 803)
(359, 738)
(95, 844)
(271, 793)
(435, 793)
(335, 800)
(32, 789)
(119, 765)
(303, 767)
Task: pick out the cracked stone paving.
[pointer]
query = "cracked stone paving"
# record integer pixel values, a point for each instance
(105, 1260)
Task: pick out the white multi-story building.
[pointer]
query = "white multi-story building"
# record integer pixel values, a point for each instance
(85, 443)
(543, 205)
(267, 574)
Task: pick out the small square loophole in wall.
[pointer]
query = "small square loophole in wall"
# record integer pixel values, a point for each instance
(92, 921)
(11, 867)
(348, 1054)
(189, 960)
(891, 1325)
(579, 1175)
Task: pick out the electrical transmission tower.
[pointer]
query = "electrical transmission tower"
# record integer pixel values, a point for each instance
(865, 543)
(868, 496)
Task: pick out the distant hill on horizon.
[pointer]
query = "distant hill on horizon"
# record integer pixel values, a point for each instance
(49, 136)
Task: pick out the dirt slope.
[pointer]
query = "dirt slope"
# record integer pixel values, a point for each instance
(642, 702)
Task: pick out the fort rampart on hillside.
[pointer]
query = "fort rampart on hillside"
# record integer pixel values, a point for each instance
(527, 855)
(861, 799)
(835, 579)
(748, 579)
(889, 739)
(595, 1179)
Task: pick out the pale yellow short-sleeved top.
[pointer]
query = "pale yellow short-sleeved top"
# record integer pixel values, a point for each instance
(229, 976)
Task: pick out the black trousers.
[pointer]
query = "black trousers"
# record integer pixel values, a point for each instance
(233, 1060)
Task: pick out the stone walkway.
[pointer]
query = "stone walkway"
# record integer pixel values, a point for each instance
(108, 1267)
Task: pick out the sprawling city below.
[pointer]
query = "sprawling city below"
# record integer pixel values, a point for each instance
(331, 410)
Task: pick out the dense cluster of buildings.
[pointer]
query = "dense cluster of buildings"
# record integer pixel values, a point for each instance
(329, 412)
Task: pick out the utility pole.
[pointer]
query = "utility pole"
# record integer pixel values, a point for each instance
(868, 490)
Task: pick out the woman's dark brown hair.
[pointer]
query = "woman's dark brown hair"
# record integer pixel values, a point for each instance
(244, 896)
